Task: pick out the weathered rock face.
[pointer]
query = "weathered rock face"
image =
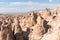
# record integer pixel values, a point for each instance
(6, 34)
(17, 30)
(46, 14)
(38, 30)
(43, 25)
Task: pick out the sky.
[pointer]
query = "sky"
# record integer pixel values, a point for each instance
(16, 6)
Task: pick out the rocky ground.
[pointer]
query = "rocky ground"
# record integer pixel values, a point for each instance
(41, 25)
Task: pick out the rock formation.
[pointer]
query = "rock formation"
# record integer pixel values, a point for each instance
(40, 25)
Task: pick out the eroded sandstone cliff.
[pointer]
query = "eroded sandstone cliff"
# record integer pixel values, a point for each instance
(41, 25)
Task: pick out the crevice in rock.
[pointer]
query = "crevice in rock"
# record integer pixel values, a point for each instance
(46, 26)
